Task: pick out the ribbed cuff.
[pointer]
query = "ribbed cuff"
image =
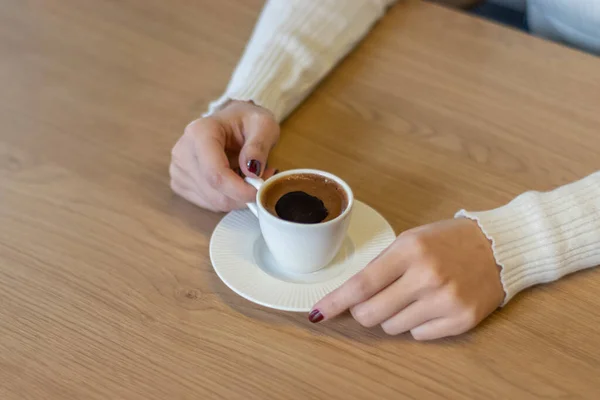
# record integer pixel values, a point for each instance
(540, 237)
(258, 97)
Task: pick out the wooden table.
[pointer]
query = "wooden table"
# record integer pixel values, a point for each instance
(106, 289)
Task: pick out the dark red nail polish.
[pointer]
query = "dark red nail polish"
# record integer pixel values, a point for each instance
(254, 167)
(315, 316)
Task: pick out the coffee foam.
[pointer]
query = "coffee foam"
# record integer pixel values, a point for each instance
(330, 192)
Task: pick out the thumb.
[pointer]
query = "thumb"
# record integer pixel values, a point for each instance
(261, 134)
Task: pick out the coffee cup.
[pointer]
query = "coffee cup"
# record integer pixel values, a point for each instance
(284, 204)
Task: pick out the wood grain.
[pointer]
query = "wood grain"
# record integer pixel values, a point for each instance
(106, 289)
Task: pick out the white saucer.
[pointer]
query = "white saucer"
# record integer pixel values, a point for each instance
(240, 257)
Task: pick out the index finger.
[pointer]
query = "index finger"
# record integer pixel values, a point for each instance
(376, 276)
(214, 165)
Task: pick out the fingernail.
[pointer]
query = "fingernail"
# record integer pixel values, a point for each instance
(315, 316)
(276, 172)
(254, 167)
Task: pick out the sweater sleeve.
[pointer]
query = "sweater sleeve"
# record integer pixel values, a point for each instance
(294, 45)
(541, 237)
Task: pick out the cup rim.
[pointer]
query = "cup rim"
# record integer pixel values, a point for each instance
(325, 174)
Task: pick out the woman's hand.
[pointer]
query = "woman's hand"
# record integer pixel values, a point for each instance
(436, 280)
(213, 154)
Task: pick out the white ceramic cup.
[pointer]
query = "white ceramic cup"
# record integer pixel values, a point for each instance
(301, 248)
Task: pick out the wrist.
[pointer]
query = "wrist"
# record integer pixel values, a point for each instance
(232, 103)
(488, 260)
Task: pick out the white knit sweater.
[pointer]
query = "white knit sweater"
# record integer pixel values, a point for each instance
(537, 238)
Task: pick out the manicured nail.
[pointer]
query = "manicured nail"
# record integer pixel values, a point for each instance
(254, 167)
(315, 316)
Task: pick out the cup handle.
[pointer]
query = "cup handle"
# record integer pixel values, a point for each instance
(257, 183)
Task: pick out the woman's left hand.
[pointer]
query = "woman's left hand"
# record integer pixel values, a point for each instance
(436, 280)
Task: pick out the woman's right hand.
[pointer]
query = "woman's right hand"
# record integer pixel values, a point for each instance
(214, 153)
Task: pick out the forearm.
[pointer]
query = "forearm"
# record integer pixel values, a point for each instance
(540, 237)
(294, 45)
